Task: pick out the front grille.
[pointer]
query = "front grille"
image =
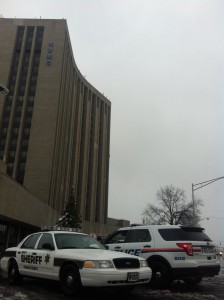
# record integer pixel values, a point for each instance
(126, 263)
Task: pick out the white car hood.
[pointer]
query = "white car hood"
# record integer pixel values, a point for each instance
(92, 254)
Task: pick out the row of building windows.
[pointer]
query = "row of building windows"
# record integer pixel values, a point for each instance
(20, 98)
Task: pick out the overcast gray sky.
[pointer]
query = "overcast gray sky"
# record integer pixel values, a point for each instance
(161, 64)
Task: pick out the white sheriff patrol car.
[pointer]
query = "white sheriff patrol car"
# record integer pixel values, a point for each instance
(172, 251)
(74, 259)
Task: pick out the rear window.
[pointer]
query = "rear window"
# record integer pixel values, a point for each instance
(184, 233)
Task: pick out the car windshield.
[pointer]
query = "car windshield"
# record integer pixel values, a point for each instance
(76, 241)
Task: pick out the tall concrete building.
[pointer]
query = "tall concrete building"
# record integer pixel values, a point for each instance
(54, 128)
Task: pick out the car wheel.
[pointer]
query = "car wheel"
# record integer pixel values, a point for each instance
(193, 280)
(161, 275)
(13, 274)
(70, 280)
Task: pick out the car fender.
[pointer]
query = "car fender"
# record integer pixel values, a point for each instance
(159, 258)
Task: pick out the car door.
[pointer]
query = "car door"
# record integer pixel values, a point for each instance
(45, 250)
(27, 262)
(139, 242)
(131, 241)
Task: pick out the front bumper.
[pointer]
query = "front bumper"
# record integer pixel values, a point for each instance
(113, 277)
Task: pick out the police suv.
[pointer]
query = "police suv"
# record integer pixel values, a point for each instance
(172, 251)
(74, 259)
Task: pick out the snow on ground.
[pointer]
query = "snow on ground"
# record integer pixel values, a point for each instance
(7, 293)
(169, 295)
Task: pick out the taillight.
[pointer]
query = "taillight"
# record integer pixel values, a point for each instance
(187, 248)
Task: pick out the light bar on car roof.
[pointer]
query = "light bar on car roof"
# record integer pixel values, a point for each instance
(56, 228)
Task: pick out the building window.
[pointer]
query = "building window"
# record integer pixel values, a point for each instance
(10, 168)
(20, 34)
(16, 122)
(13, 142)
(22, 166)
(28, 120)
(26, 131)
(19, 108)
(20, 99)
(31, 99)
(25, 143)
(12, 153)
(15, 132)
(2, 141)
(23, 154)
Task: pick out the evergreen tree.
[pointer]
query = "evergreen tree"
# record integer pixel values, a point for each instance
(71, 217)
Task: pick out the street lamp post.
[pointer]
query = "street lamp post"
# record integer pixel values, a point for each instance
(198, 186)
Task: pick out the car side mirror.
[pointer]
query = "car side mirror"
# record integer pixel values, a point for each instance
(106, 247)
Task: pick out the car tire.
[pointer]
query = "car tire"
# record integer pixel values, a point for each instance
(70, 280)
(13, 274)
(161, 275)
(193, 280)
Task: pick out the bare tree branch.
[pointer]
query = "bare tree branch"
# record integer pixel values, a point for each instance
(172, 208)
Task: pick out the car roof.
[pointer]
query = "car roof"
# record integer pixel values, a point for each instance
(156, 227)
(60, 231)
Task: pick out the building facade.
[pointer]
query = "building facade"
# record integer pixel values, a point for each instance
(54, 125)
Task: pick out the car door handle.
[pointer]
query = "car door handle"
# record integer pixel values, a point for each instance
(118, 247)
(147, 246)
(19, 252)
(34, 253)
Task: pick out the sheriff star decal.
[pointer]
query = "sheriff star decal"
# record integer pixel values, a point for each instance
(47, 259)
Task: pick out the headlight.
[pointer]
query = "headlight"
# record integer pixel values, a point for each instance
(143, 263)
(98, 264)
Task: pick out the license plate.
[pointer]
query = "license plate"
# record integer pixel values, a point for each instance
(132, 277)
(207, 249)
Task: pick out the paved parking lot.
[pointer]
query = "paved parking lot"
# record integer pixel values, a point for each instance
(208, 289)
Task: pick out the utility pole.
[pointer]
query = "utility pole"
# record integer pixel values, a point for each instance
(198, 186)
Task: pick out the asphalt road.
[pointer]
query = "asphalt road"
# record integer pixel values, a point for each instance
(208, 289)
